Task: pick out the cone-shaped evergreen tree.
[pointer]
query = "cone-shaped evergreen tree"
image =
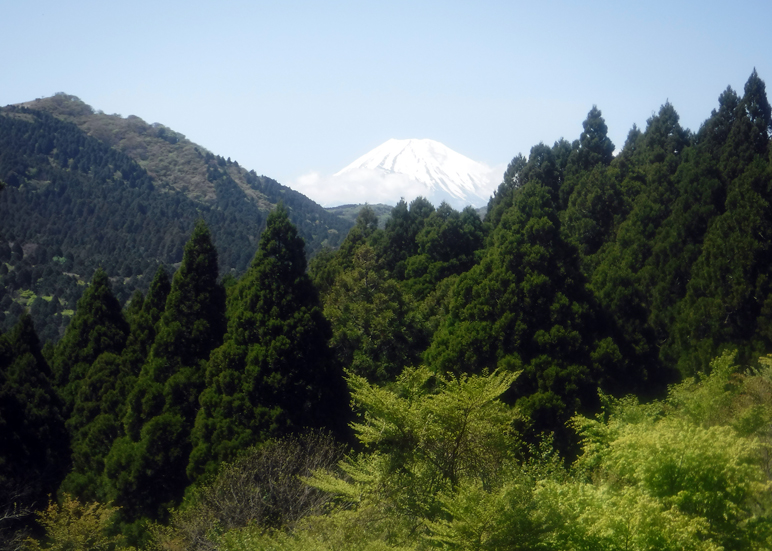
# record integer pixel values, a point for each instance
(144, 321)
(377, 330)
(525, 307)
(274, 374)
(96, 423)
(399, 238)
(146, 468)
(729, 296)
(446, 246)
(758, 110)
(98, 326)
(33, 443)
(595, 147)
(646, 188)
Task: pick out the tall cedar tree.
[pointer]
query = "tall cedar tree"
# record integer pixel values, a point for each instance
(447, 244)
(274, 374)
(377, 329)
(146, 468)
(98, 326)
(398, 242)
(33, 442)
(622, 275)
(525, 307)
(143, 321)
(327, 266)
(729, 296)
(96, 421)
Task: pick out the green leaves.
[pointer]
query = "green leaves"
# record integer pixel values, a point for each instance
(425, 435)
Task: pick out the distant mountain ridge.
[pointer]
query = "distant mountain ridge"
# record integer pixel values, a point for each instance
(445, 175)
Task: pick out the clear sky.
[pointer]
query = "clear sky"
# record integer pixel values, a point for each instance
(291, 88)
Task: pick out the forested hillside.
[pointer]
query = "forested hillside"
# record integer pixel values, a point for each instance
(586, 368)
(88, 190)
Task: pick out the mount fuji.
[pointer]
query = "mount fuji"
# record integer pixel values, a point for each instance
(406, 169)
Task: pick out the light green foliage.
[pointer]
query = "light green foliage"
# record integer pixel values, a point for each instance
(75, 526)
(480, 518)
(438, 472)
(599, 517)
(424, 436)
(342, 531)
(684, 456)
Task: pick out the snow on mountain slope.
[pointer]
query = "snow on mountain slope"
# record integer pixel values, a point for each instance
(444, 174)
(405, 169)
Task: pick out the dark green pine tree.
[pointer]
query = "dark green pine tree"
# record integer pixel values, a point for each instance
(545, 164)
(502, 198)
(95, 424)
(398, 241)
(758, 111)
(447, 245)
(274, 374)
(592, 149)
(621, 276)
(525, 307)
(327, 265)
(146, 468)
(143, 321)
(377, 329)
(595, 147)
(98, 326)
(729, 296)
(721, 222)
(34, 448)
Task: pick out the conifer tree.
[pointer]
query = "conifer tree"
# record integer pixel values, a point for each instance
(446, 246)
(525, 307)
(146, 468)
(98, 326)
(595, 147)
(729, 296)
(376, 327)
(95, 423)
(399, 237)
(759, 112)
(34, 447)
(592, 149)
(274, 374)
(143, 321)
(328, 265)
(502, 198)
(622, 275)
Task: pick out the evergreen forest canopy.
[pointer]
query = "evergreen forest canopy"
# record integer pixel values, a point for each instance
(586, 368)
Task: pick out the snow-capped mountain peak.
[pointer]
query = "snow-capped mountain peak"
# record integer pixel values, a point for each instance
(442, 174)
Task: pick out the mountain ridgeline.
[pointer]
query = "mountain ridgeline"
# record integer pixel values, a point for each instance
(88, 190)
(583, 369)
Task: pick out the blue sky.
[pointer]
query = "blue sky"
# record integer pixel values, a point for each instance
(289, 88)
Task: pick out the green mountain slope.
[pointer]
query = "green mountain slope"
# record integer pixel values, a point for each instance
(85, 189)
